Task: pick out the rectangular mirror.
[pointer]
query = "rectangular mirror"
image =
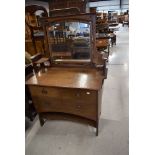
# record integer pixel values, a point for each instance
(69, 40)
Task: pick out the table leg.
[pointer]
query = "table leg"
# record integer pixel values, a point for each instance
(108, 50)
(41, 120)
(97, 128)
(42, 67)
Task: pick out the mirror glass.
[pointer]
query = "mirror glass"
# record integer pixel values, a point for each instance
(69, 40)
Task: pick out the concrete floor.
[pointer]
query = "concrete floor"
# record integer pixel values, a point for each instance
(69, 138)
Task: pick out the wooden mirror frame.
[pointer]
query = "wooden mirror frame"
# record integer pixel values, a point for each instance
(89, 18)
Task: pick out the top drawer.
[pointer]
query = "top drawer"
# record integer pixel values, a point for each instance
(65, 93)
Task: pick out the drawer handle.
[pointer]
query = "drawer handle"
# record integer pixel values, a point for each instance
(78, 107)
(47, 104)
(77, 94)
(88, 93)
(44, 91)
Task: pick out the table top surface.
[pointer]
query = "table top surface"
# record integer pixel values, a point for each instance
(82, 78)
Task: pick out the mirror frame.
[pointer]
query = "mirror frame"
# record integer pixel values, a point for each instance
(89, 18)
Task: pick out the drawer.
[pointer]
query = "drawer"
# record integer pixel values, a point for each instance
(73, 101)
(79, 95)
(47, 104)
(44, 91)
(85, 109)
(81, 102)
(50, 104)
(65, 93)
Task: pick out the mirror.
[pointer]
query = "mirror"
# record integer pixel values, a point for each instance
(69, 40)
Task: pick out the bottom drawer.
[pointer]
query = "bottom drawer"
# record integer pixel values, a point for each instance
(78, 107)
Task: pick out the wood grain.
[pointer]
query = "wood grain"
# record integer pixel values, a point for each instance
(84, 78)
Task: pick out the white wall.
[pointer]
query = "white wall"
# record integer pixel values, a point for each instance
(125, 4)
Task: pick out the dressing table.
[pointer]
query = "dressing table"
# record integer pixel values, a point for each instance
(71, 89)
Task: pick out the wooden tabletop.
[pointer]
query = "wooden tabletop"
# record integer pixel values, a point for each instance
(83, 78)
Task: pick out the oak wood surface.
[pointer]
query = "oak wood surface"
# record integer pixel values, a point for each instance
(84, 78)
(65, 104)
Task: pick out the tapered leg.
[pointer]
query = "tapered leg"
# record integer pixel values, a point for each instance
(41, 120)
(108, 51)
(97, 125)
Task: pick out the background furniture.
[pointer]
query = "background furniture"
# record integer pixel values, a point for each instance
(32, 24)
(61, 4)
(35, 64)
(64, 12)
(92, 10)
(30, 111)
(102, 45)
(59, 43)
(40, 62)
(126, 20)
(81, 48)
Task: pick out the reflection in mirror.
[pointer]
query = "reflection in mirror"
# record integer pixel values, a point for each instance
(69, 40)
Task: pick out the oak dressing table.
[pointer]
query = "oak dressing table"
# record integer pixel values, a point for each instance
(71, 89)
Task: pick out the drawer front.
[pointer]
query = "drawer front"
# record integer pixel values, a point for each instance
(84, 102)
(73, 101)
(79, 95)
(47, 104)
(44, 91)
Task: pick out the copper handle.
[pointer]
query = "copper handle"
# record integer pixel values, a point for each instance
(44, 91)
(88, 93)
(77, 94)
(78, 107)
